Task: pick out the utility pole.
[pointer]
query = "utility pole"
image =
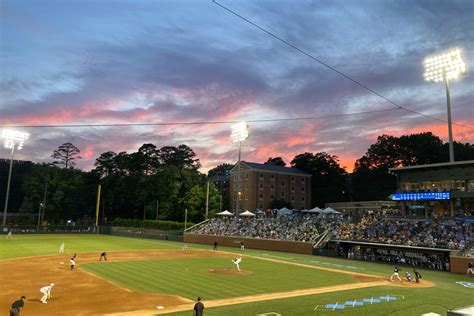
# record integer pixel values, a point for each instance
(44, 201)
(207, 200)
(185, 218)
(157, 205)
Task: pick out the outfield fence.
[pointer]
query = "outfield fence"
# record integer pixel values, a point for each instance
(174, 235)
(254, 243)
(49, 229)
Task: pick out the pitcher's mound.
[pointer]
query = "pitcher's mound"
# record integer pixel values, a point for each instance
(230, 271)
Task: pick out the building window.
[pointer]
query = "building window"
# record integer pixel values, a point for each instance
(246, 176)
(261, 186)
(283, 183)
(261, 176)
(271, 197)
(246, 186)
(283, 194)
(302, 199)
(271, 187)
(292, 198)
(302, 180)
(272, 177)
(292, 189)
(261, 206)
(292, 179)
(302, 189)
(261, 196)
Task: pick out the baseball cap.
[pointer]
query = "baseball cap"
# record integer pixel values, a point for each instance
(23, 296)
(199, 298)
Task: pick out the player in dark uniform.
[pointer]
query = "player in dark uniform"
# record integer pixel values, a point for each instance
(417, 276)
(17, 306)
(72, 262)
(198, 308)
(396, 270)
(103, 255)
(215, 245)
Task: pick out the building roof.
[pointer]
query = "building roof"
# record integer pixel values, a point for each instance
(274, 168)
(434, 165)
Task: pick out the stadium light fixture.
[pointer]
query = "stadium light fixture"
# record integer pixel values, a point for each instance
(12, 140)
(239, 133)
(445, 67)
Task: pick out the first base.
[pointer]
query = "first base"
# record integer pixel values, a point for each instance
(160, 307)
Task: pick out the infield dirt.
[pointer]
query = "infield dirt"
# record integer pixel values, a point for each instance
(82, 293)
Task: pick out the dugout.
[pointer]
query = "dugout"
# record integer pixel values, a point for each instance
(420, 257)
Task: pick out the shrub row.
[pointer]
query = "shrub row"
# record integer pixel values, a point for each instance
(137, 223)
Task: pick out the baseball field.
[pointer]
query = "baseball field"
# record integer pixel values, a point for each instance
(148, 277)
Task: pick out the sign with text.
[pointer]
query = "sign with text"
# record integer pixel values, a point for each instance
(417, 196)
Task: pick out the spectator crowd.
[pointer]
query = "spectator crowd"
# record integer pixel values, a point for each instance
(449, 233)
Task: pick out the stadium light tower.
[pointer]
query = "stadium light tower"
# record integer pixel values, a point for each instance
(240, 132)
(445, 67)
(12, 140)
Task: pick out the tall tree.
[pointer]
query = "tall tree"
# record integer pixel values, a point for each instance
(371, 180)
(105, 164)
(221, 170)
(181, 156)
(151, 161)
(328, 177)
(66, 155)
(277, 161)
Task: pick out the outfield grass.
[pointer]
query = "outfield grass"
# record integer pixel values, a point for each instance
(191, 277)
(446, 295)
(36, 245)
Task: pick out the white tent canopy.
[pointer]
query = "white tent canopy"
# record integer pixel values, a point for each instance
(329, 210)
(284, 211)
(247, 213)
(314, 210)
(225, 213)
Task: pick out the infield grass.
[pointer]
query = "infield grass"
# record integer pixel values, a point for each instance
(192, 277)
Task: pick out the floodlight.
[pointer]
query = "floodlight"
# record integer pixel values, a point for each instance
(445, 67)
(14, 139)
(449, 66)
(240, 132)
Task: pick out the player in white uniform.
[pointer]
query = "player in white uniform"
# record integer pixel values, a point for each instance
(46, 291)
(9, 235)
(184, 248)
(237, 262)
(61, 248)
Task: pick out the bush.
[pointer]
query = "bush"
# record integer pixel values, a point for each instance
(137, 223)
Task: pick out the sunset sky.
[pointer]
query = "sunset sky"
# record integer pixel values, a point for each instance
(156, 61)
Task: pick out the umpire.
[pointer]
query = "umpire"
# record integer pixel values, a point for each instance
(17, 306)
(198, 308)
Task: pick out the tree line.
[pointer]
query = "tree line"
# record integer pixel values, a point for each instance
(160, 183)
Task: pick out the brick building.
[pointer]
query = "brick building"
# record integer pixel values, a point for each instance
(262, 183)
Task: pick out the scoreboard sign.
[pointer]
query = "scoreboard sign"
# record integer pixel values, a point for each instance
(426, 196)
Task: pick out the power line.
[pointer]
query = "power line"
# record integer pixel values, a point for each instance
(203, 122)
(330, 67)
